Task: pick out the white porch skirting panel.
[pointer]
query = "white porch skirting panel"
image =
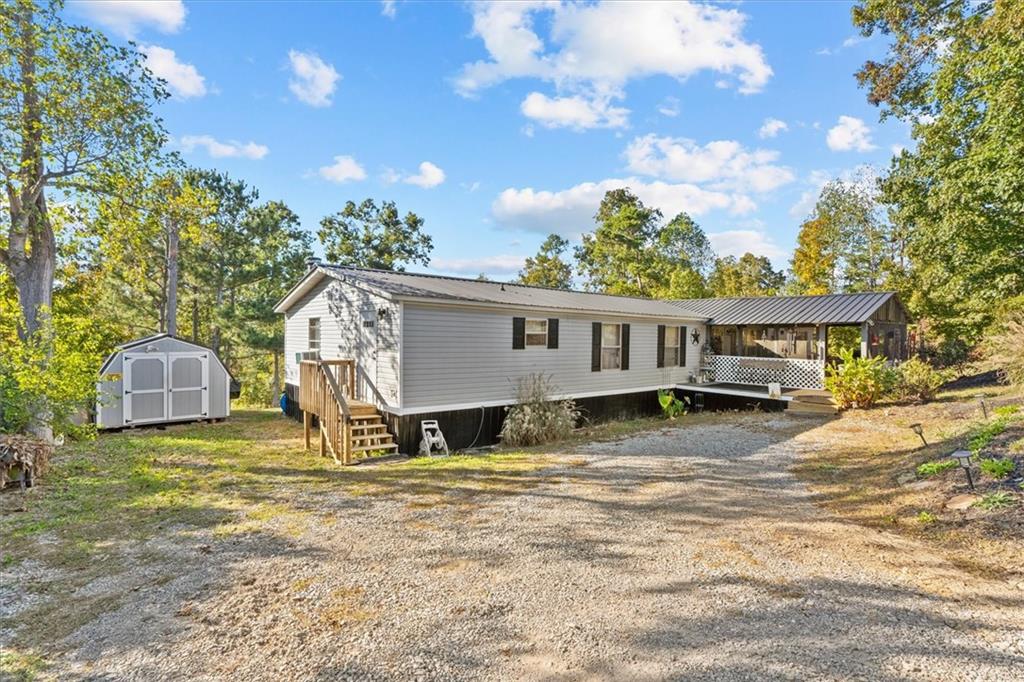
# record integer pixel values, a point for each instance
(789, 372)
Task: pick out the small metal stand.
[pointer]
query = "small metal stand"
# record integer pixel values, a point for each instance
(963, 458)
(919, 430)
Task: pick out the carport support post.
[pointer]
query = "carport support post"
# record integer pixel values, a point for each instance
(323, 443)
(307, 423)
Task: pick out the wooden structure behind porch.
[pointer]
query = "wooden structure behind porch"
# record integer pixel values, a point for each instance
(347, 426)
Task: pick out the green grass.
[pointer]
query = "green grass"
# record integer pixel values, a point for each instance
(997, 500)
(935, 467)
(246, 475)
(20, 667)
(997, 468)
(926, 517)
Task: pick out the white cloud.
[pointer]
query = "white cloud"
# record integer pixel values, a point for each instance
(576, 112)
(389, 8)
(738, 242)
(897, 149)
(669, 107)
(429, 176)
(221, 150)
(594, 50)
(723, 163)
(771, 128)
(183, 79)
(314, 79)
(491, 265)
(344, 169)
(850, 133)
(570, 212)
(127, 17)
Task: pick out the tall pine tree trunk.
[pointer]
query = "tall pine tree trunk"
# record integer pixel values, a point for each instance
(172, 276)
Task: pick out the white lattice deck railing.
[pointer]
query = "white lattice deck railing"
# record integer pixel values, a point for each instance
(788, 372)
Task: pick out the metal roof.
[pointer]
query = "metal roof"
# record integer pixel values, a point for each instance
(824, 309)
(457, 289)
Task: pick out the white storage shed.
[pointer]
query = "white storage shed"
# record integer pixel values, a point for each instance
(161, 379)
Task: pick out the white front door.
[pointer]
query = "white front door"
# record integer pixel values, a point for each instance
(144, 385)
(188, 385)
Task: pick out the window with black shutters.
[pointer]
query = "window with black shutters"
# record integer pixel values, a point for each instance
(670, 357)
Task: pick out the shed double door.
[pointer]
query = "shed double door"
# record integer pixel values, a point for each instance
(161, 387)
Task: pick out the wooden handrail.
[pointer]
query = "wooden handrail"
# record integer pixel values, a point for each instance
(320, 395)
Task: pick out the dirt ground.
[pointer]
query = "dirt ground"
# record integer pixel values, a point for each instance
(686, 552)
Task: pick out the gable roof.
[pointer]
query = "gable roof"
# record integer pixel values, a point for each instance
(135, 343)
(823, 309)
(440, 288)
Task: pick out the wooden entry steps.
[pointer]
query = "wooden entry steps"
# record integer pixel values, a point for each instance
(349, 429)
(809, 401)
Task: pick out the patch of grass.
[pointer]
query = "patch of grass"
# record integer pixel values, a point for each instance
(986, 433)
(19, 666)
(996, 500)
(1016, 447)
(925, 518)
(997, 468)
(1006, 410)
(935, 467)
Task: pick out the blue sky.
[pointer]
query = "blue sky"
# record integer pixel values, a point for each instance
(501, 123)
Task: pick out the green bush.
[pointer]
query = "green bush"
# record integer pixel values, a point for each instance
(925, 517)
(537, 418)
(1002, 344)
(918, 381)
(858, 382)
(671, 405)
(997, 468)
(935, 467)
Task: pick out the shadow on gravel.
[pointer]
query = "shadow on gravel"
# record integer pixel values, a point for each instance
(827, 628)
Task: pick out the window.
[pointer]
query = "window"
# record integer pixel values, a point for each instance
(537, 333)
(671, 353)
(314, 333)
(611, 346)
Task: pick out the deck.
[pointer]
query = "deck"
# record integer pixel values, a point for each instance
(803, 400)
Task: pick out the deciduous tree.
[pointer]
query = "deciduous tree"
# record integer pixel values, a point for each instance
(749, 275)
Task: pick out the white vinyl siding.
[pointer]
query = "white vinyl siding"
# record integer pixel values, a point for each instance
(458, 355)
(343, 311)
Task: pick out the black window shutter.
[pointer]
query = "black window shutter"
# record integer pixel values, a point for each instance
(661, 345)
(625, 346)
(518, 333)
(595, 347)
(552, 332)
(683, 340)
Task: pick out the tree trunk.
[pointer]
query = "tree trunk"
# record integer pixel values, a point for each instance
(172, 276)
(195, 320)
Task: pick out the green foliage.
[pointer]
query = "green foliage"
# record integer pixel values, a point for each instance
(1006, 410)
(918, 381)
(857, 382)
(935, 467)
(633, 253)
(987, 433)
(547, 268)
(671, 405)
(370, 236)
(997, 468)
(845, 245)
(997, 500)
(954, 72)
(750, 275)
(843, 339)
(536, 418)
(925, 518)
(1003, 346)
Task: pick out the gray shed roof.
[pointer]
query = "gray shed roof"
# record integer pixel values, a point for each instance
(457, 289)
(824, 309)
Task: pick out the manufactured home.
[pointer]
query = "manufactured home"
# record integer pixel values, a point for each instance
(162, 379)
(399, 348)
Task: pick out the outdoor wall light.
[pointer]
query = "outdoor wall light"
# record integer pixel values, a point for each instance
(919, 430)
(963, 458)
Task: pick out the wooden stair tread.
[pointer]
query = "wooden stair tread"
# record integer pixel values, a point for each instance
(371, 448)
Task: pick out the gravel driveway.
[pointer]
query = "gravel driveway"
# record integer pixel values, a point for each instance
(684, 553)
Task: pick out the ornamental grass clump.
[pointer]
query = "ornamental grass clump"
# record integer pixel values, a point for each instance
(858, 382)
(538, 419)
